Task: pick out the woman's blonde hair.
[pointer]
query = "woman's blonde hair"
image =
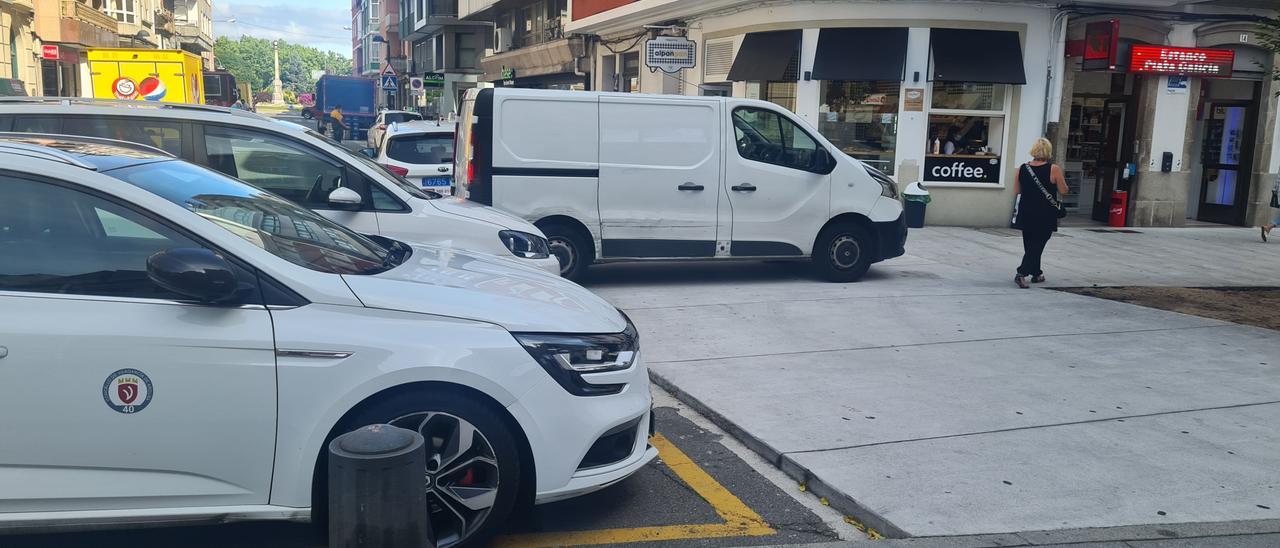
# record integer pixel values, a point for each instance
(1042, 150)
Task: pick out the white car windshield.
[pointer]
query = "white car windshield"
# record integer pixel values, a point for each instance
(284, 229)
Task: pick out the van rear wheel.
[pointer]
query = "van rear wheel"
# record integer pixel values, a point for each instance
(570, 247)
(844, 252)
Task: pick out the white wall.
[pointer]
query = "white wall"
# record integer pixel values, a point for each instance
(1169, 129)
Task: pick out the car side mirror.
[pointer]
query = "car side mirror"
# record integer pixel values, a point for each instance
(370, 152)
(345, 196)
(193, 272)
(823, 162)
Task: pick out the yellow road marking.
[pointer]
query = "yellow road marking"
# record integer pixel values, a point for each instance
(739, 520)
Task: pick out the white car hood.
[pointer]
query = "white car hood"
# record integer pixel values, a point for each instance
(471, 210)
(451, 282)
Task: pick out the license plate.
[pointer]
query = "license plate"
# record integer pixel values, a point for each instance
(437, 181)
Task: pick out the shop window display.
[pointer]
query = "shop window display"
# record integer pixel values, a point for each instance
(965, 142)
(861, 118)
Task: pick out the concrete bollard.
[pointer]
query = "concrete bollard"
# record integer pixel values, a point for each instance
(377, 498)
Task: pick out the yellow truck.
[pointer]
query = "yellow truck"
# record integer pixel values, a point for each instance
(171, 76)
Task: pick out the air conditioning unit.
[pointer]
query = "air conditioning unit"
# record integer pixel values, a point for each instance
(501, 40)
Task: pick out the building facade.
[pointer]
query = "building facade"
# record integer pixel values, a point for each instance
(19, 64)
(445, 51)
(530, 46)
(193, 28)
(375, 42)
(64, 29)
(954, 94)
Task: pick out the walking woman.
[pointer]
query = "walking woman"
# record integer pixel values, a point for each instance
(1275, 204)
(1039, 185)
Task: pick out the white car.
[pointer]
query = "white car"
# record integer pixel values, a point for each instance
(420, 152)
(178, 346)
(293, 162)
(385, 119)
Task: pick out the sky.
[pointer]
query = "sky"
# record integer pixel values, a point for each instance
(316, 23)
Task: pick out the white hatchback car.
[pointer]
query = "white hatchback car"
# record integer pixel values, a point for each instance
(420, 152)
(384, 120)
(180, 346)
(293, 162)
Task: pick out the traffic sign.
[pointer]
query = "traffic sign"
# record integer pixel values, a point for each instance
(389, 83)
(388, 70)
(415, 85)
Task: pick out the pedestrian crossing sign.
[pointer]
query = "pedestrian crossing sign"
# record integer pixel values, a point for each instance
(389, 82)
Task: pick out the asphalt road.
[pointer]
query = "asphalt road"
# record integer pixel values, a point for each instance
(698, 493)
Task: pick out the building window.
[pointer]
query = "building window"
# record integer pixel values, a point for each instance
(466, 49)
(13, 51)
(122, 11)
(966, 132)
(630, 71)
(861, 118)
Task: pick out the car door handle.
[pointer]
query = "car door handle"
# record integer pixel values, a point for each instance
(743, 188)
(690, 186)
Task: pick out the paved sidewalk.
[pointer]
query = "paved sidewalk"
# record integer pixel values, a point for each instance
(936, 399)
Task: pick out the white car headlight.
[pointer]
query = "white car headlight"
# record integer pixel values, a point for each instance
(524, 244)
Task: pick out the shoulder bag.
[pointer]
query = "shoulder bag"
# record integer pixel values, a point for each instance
(1052, 201)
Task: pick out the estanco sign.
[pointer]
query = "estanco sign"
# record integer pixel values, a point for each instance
(1213, 63)
(962, 169)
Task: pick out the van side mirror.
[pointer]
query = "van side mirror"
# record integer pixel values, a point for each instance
(823, 162)
(193, 272)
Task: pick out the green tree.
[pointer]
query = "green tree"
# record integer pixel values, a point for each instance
(249, 59)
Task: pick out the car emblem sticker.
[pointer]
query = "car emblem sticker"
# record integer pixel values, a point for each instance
(127, 391)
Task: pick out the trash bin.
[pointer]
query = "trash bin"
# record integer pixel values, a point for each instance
(1119, 208)
(915, 199)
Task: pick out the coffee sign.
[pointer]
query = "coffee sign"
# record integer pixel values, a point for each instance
(962, 169)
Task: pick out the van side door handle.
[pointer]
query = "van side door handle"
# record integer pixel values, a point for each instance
(690, 186)
(746, 187)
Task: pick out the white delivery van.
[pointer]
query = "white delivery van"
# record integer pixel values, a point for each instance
(619, 176)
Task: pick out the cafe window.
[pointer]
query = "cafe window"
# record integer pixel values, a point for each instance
(861, 118)
(966, 136)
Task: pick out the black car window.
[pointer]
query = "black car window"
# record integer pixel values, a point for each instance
(422, 148)
(275, 164)
(58, 240)
(161, 134)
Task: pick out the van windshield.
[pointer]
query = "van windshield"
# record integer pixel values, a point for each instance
(280, 227)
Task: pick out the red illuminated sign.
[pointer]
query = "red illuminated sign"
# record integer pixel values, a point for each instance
(1100, 44)
(48, 52)
(1214, 63)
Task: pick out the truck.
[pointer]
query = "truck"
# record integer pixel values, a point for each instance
(357, 97)
(220, 88)
(170, 76)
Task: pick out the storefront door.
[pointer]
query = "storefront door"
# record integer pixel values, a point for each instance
(1227, 160)
(1117, 151)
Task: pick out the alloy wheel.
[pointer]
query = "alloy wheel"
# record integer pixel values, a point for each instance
(461, 476)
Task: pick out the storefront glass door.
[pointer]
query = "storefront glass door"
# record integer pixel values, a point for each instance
(1225, 159)
(1114, 160)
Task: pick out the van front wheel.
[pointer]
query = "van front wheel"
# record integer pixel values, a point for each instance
(843, 253)
(570, 247)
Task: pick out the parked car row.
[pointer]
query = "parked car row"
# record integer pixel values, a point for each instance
(181, 345)
(295, 163)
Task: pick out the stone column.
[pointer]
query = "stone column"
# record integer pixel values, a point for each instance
(277, 87)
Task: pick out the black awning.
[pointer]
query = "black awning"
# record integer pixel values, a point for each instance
(984, 56)
(861, 54)
(765, 56)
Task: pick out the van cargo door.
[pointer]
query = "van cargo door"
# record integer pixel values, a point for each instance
(659, 176)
